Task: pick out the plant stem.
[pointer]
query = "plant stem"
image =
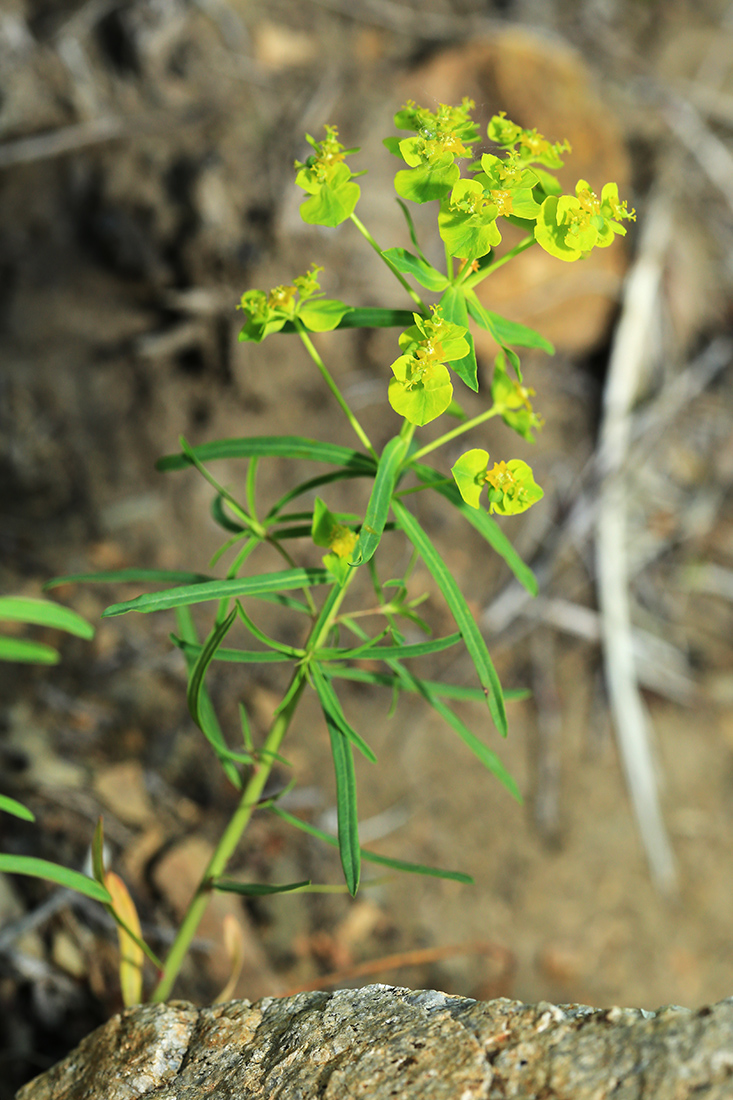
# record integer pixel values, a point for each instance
(397, 274)
(247, 804)
(479, 276)
(325, 374)
(466, 427)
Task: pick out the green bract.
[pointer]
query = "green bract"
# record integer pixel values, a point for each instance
(530, 147)
(470, 474)
(510, 185)
(569, 227)
(512, 488)
(268, 313)
(420, 391)
(512, 399)
(328, 180)
(340, 540)
(421, 388)
(441, 137)
(467, 221)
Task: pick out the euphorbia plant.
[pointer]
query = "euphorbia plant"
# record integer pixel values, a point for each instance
(433, 354)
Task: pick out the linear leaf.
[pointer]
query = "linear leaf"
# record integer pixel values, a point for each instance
(371, 857)
(98, 851)
(52, 872)
(486, 755)
(209, 725)
(204, 659)
(483, 753)
(315, 483)
(368, 317)
(27, 609)
(28, 652)
(411, 229)
(387, 652)
(263, 585)
(505, 331)
(17, 809)
(255, 889)
(456, 601)
(219, 516)
(379, 501)
(417, 868)
(236, 656)
(485, 524)
(125, 576)
(346, 810)
(335, 716)
(438, 687)
(264, 446)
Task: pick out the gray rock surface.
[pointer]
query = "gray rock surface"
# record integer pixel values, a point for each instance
(381, 1041)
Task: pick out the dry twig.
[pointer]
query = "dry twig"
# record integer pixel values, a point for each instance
(628, 359)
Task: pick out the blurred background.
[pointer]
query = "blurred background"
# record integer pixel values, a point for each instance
(146, 152)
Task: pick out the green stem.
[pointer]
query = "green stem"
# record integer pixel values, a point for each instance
(466, 427)
(479, 276)
(363, 437)
(248, 802)
(397, 274)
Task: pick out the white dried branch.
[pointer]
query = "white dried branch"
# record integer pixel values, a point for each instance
(628, 359)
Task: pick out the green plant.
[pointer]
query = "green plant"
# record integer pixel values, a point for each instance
(436, 351)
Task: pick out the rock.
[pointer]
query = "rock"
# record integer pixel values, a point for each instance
(380, 1041)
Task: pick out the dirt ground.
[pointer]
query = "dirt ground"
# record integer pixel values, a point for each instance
(146, 154)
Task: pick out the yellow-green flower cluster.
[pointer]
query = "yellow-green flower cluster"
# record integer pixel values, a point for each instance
(421, 388)
(511, 485)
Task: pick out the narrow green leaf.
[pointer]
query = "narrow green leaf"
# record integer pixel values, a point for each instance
(26, 609)
(264, 446)
(503, 330)
(98, 869)
(204, 659)
(410, 226)
(417, 868)
(367, 318)
(438, 687)
(209, 726)
(255, 889)
(481, 751)
(334, 714)
(52, 872)
(219, 516)
(348, 822)
(17, 809)
(261, 586)
(424, 272)
(125, 576)
(28, 652)
(377, 511)
(485, 524)
(456, 601)
(315, 483)
(371, 857)
(388, 652)
(454, 308)
(234, 656)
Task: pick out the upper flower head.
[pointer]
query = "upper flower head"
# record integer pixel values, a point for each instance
(569, 226)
